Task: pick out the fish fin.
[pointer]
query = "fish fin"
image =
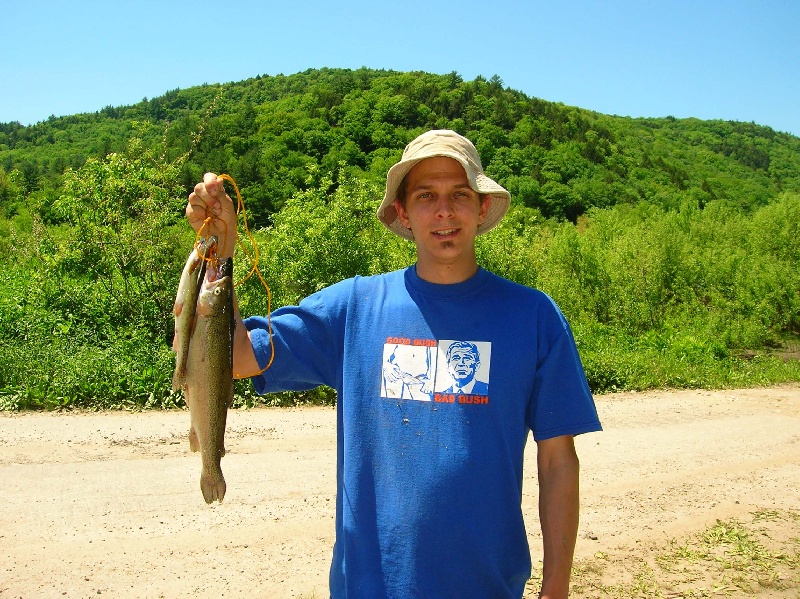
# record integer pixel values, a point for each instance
(213, 487)
(194, 443)
(179, 379)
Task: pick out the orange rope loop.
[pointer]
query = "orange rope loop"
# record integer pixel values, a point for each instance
(240, 210)
(199, 235)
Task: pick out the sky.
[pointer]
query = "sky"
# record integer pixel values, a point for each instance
(735, 60)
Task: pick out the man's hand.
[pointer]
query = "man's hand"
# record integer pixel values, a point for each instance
(209, 199)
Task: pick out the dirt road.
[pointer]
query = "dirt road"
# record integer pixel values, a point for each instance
(109, 503)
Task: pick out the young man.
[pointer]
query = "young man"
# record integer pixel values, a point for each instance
(429, 481)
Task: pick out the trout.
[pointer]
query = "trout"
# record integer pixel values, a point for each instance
(185, 303)
(209, 374)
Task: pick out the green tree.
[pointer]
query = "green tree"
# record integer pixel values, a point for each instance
(321, 237)
(10, 192)
(121, 242)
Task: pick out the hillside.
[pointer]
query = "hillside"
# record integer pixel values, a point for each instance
(671, 246)
(267, 131)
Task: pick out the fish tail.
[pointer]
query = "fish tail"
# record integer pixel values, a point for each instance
(212, 484)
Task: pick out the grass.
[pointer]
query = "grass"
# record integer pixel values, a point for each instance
(758, 558)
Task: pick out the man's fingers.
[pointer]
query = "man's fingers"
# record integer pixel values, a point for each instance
(209, 199)
(195, 209)
(214, 186)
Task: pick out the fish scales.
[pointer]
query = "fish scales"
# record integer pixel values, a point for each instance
(209, 375)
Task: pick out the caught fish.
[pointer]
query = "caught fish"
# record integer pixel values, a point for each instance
(185, 304)
(209, 372)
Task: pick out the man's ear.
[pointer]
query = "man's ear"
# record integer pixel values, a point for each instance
(402, 215)
(486, 202)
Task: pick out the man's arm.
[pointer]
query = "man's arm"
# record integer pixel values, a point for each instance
(558, 512)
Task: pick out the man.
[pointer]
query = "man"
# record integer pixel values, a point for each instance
(463, 361)
(428, 492)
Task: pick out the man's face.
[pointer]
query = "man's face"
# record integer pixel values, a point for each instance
(442, 211)
(462, 366)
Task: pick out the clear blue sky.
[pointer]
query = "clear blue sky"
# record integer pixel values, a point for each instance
(710, 59)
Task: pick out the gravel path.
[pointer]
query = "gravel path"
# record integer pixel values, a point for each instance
(109, 503)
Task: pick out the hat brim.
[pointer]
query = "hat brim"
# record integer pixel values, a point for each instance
(480, 183)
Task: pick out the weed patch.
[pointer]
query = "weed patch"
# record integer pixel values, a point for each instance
(758, 558)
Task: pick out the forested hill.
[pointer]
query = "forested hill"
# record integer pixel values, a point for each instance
(267, 131)
(682, 273)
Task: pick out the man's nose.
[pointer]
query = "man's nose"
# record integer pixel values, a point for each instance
(444, 206)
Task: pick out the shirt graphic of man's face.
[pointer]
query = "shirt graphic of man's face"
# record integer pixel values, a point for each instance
(462, 365)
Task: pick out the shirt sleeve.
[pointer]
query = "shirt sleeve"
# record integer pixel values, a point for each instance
(307, 341)
(561, 402)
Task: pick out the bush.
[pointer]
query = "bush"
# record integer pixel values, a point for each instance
(683, 297)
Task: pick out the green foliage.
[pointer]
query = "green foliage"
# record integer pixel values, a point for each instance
(321, 237)
(671, 245)
(561, 160)
(87, 304)
(676, 298)
(514, 247)
(11, 192)
(57, 371)
(120, 242)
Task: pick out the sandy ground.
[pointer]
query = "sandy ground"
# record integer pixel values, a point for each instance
(109, 503)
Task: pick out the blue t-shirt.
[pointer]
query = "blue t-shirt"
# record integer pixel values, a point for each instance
(438, 386)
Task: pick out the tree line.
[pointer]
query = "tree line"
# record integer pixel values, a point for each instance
(266, 132)
(671, 245)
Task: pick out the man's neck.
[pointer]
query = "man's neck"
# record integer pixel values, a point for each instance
(446, 274)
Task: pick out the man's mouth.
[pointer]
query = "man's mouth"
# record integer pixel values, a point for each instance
(445, 232)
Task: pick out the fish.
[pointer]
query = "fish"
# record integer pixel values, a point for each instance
(209, 373)
(184, 310)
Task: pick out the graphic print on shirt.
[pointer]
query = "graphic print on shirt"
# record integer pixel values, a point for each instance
(447, 371)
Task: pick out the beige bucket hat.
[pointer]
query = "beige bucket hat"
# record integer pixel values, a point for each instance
(442, 142)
